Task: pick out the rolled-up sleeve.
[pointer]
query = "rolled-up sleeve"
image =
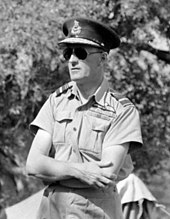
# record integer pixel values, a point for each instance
(44, 119)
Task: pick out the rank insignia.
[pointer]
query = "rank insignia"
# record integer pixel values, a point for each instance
(76, 29)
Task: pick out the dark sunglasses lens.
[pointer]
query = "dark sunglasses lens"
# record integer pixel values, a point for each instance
(80, 53)
(67, 53)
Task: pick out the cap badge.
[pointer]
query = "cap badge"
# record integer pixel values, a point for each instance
(76, 29)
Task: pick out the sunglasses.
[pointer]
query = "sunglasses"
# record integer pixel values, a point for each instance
(79, 52)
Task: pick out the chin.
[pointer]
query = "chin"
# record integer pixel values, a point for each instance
(78, 80)
(75, 77)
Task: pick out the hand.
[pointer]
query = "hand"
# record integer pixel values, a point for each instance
(108, 172)
(94, 174)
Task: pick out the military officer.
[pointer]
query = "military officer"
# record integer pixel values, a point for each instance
(90, 128)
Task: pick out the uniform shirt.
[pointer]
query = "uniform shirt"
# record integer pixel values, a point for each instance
(105, 120)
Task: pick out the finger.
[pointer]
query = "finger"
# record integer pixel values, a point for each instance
(114, 177)
(104, 163)
(104, 184)
(112, 184)
(111, 176)
(99, 185)
(105, 180)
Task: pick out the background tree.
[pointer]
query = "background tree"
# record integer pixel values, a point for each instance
(31, 67)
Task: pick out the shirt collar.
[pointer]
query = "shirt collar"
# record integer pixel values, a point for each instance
(98, 95)
(73, 90)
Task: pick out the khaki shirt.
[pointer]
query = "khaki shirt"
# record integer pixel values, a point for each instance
(105, 120)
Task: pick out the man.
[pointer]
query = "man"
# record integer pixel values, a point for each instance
(91, 129)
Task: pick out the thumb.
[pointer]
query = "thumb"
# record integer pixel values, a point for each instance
(104, 163)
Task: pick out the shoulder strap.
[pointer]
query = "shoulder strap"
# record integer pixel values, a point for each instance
(63, 89)
(123, 100)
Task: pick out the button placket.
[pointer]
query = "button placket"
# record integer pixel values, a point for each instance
(74, 128)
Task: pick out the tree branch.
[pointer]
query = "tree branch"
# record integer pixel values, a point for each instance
(161, 54)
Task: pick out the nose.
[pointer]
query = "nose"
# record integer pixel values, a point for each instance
(73, 59)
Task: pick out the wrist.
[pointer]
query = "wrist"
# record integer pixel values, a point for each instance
(75, 170)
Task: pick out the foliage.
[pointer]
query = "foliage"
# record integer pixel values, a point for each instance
(31, 67)
(147, 85)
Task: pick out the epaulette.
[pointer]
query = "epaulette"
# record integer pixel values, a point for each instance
(123, 100)
(63, 89)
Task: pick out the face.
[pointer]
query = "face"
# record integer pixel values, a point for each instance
(82, 69)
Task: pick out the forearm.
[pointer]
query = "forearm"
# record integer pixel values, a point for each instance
(49, 169)
(80, 175)
(40, 165)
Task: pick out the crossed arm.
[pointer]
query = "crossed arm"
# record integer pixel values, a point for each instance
(94, 174)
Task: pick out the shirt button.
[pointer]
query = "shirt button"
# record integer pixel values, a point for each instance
(74, 129)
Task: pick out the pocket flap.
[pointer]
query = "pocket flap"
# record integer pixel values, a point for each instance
(100, 125)
(64, 115)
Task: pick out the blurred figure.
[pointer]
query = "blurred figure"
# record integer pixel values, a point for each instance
(136, 199)
(2, 213)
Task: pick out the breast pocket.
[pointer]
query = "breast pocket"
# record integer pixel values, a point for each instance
(94, 134)
(62, 119)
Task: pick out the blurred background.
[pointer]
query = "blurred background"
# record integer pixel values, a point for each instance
(31, 67)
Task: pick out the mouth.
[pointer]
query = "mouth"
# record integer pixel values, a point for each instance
(75, 69)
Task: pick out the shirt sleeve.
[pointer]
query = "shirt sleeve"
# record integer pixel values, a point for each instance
(125, 128)
(44, 119)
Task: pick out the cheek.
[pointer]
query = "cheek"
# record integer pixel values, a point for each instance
(93, 65)
(86, 69)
